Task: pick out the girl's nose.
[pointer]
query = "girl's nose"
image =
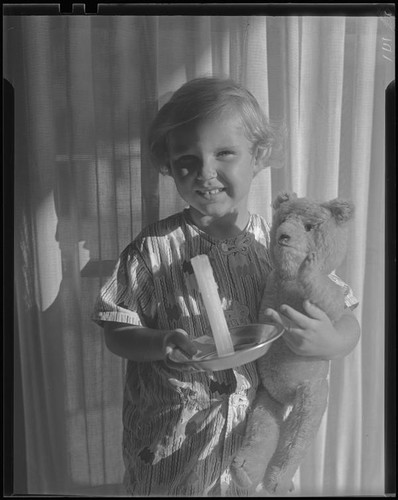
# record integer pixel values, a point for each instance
(207, 170)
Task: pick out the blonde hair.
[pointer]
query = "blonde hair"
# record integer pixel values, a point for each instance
(204, 98)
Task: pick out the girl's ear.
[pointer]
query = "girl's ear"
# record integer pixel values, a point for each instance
(166, 170)
(261, 155)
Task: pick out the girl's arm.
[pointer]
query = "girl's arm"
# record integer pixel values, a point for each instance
(349, 333)
(145, 344)
(315, 335)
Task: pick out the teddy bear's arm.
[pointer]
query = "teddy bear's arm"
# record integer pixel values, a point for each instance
(319, 289)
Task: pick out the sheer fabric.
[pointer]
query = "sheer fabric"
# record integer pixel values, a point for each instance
(86, 89)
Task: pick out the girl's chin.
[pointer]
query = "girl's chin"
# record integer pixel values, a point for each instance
(210, 211)
(230, 215)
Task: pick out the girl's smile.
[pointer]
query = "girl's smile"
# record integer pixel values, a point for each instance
(213, 166)
(210, 194)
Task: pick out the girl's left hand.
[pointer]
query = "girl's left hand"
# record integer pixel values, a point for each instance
(312, 335)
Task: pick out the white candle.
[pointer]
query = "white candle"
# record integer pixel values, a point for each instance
(211, 299)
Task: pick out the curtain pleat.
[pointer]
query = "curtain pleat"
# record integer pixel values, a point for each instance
(239, 27)
(86, 90)
(255, 79)
(149, 92)
(293, 100)
(220, 45)
(328, 110)
(38, 250)
(360, 165)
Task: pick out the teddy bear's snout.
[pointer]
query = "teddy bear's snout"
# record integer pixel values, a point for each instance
(285, 233)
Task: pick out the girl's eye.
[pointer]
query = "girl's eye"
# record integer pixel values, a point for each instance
(184, 165)
(185, 159)
(226, 154)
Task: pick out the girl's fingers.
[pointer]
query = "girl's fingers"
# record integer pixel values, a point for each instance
(313, 311)
(301, 320)
(187, 348)
(277, 317)
(183, 367)
(287, 323)
(178, 361)
(179, 340)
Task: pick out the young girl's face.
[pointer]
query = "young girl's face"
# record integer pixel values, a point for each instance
(213, 167)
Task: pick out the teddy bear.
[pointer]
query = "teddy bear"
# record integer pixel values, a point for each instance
(308, 241)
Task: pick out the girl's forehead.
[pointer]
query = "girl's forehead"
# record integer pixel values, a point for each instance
(224, 128)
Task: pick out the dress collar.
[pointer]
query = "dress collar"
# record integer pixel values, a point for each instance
(237, 244)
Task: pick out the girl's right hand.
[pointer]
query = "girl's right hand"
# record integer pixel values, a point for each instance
(179, 348)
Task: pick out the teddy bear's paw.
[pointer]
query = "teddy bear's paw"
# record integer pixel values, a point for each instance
(310, 261)
(308, 266)
(239, 473)
(261, 491)
(278, 482)
(279, 488)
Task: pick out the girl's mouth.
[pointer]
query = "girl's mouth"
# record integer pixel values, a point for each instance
(210, 193)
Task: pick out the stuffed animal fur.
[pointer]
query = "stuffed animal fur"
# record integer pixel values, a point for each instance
(308, 241)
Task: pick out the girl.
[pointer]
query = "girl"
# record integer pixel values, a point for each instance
(182, 428)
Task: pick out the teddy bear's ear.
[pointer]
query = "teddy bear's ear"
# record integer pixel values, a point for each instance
(341, 210)
(282, 198)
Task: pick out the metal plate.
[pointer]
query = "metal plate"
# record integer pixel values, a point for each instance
(250, 343)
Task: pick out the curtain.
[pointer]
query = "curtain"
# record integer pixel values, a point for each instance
(86, 89)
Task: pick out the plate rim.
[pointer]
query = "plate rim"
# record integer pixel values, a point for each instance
(229, 356)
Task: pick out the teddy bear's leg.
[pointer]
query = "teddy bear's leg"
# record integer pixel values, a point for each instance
(260, 441)
(296, 435)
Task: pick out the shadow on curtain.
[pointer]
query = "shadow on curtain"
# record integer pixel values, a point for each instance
(86, 89)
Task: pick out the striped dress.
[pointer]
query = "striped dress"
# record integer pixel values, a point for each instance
(182, 429)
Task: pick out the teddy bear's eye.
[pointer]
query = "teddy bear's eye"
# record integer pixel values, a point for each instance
(308, 227)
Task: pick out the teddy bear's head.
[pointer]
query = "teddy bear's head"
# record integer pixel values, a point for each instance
(302, 226)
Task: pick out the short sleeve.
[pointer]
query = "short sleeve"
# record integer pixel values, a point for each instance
(128, 296)
(351, 302)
